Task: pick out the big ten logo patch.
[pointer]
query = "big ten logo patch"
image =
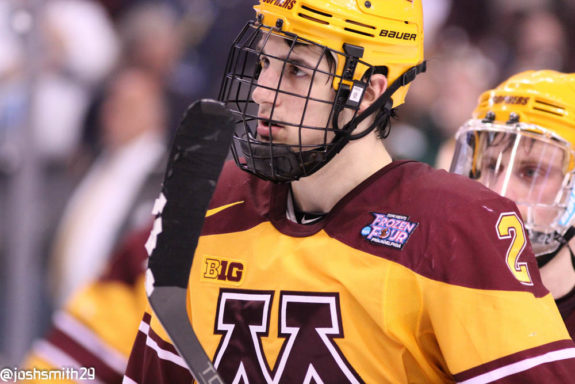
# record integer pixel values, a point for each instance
(217, 269)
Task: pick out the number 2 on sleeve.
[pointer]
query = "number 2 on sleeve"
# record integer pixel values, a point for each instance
(509, 226)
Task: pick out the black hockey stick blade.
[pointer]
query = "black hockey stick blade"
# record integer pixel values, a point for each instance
(198, 152)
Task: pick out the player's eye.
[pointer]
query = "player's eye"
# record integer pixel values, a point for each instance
(529, 172)
(533, 173)
(490, 166)
(264, 62)
(296, 70)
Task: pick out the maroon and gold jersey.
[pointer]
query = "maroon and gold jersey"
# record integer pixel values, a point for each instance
(415, 276)
(97, 327)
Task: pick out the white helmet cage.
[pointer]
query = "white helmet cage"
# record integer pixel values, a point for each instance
(528, 164)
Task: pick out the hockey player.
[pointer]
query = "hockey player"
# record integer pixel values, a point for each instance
(327, 262)
(94, 332)
(520, 143)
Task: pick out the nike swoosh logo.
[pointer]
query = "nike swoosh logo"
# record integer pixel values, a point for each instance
(309, 221)
(213, 211)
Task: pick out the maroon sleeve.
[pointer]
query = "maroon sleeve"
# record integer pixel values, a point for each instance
(155, 361)
(567, 308)
(129, 261)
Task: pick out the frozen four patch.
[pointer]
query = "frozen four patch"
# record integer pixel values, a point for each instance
(389, 229)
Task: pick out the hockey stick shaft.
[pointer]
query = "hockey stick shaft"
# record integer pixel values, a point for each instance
(198, 153)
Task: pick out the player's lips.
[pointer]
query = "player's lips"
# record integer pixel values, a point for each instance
(266, 129)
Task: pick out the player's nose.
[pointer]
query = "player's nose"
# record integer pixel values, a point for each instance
(267, 87)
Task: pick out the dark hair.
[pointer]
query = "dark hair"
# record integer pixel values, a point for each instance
(384, 127)
(386, 112)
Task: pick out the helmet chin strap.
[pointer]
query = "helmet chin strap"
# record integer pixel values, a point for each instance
(563, 241)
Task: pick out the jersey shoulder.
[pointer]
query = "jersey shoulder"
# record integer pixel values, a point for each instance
(439, 225)
(438, 189)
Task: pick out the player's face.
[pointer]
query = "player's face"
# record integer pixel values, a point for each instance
(526, 170)
(304, 98)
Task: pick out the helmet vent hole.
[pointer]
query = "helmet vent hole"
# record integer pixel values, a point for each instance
(548, 111)
(308, 17)
(314, 11)
(553, 109)
(359, 32)
(360, 24)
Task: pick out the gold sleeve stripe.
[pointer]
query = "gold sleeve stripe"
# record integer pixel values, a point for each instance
(112, 311)
(35, 361)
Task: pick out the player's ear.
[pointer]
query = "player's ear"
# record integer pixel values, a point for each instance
(377, 85)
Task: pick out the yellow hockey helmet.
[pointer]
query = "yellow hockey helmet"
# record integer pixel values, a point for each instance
(351, 41)
(542, 98)
(389, 31)
(521, 143)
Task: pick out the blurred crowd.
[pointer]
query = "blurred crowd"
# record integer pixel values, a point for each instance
(90, 92)
(100, 85)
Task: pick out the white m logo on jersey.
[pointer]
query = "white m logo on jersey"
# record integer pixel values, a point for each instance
(308, 322)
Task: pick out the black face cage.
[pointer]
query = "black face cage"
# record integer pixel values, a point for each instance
(281, 162)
